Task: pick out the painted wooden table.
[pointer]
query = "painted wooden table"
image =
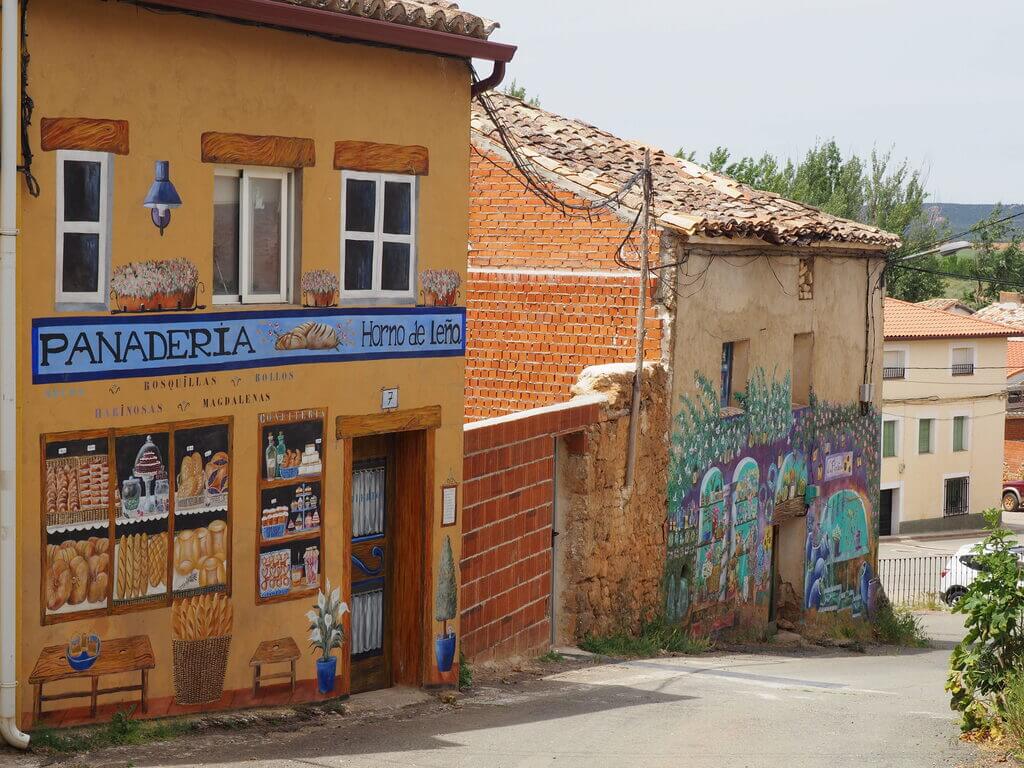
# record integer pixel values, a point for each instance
(280, 651)
(118, 656)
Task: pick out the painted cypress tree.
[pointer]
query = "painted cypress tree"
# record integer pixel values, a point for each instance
(445, 604)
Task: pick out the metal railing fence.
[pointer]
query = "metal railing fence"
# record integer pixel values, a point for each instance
(912, 580)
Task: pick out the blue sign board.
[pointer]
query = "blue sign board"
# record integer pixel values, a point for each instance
(126, 346)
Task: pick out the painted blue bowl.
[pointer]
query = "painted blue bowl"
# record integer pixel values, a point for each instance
(287, 473)
(82, 661)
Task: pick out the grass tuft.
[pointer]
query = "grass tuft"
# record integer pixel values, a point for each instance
(655, 637)
(551, 657)
(1013, 712)
(899, 626)
(123, 729)
(465, 672)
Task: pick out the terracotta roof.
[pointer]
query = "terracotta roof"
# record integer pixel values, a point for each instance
(1014, 358)
(440, 15)
(904, 320)
(687, 197)
(1007, 313)
(945, 305)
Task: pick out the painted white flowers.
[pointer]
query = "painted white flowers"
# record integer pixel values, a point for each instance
(319, 281)
(325, 632)
(440, 286)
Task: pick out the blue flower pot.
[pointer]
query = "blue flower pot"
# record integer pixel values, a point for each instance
(444, 651)
(326, 671)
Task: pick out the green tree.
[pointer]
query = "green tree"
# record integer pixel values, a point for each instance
(876, 191)
(517, 91)
(997, 253)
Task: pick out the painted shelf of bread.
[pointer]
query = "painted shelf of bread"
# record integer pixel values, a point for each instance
(77, 574)
(201, 558)
(140, 566)
(202, 482)
(77, 493)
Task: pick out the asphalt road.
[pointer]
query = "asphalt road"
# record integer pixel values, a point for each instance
(788, 710)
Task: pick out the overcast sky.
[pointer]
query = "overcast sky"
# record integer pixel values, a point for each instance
(938, 81)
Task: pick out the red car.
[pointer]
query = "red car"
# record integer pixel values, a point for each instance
(1013, 495)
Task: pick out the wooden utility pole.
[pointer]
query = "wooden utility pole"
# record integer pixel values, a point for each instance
(641, 329)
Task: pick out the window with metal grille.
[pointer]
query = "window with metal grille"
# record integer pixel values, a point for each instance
(894, 364)
(963, 361)
(956, 500)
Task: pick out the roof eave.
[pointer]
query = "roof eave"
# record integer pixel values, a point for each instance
(357, 28)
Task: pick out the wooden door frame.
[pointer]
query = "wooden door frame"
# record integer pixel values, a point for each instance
(348, 428)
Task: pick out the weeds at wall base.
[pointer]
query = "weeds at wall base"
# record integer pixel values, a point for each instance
(122, 730)
(899, 626)
(465, 672)
(655, 638)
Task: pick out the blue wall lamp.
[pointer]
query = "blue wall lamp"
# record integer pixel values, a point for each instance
(162, 196)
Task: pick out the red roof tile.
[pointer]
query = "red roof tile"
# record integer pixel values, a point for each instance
(911, 321)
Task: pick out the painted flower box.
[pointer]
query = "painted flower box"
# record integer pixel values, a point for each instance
(155, 286)
(440, 287)
(319, 288)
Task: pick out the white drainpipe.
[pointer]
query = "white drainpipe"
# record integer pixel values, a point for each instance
(9, 92)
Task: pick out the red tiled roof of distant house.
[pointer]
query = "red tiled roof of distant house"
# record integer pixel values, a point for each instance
(945, 305)
(904, 321)
(1014, 358)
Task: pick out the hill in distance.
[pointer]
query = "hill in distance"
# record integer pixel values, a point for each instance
(960, 217)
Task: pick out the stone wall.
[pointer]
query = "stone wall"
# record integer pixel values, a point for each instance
(612, 544)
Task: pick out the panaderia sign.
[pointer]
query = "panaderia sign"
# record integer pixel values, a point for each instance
(94, 348)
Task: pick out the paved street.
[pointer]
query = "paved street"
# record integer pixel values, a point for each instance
(792, 711)
(928, 546)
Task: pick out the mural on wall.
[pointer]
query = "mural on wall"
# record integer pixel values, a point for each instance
(729, 478)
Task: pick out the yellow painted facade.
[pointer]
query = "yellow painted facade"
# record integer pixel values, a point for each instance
(173, 77)
(929, 391)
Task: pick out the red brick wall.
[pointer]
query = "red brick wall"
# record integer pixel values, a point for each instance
(510, 227)
(508, 502)
(530, 335)
(1014, 429)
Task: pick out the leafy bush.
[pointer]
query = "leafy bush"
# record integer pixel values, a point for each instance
(655, 637)
(991, 655)
(899, 626)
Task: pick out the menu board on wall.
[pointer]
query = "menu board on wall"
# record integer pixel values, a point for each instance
(291, 482)
(110, 512)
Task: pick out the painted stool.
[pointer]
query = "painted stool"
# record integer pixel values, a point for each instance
(273, 652)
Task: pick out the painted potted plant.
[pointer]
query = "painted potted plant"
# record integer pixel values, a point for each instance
(440, 287)
(445, 608)
(326, 634)
(320, 286)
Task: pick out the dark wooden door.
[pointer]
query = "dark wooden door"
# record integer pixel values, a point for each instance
(885, 514)
(372, 484)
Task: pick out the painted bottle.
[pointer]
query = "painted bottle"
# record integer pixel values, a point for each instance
(280, 452)
(271, 458)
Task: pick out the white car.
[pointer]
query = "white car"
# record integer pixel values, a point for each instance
(960, 571)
